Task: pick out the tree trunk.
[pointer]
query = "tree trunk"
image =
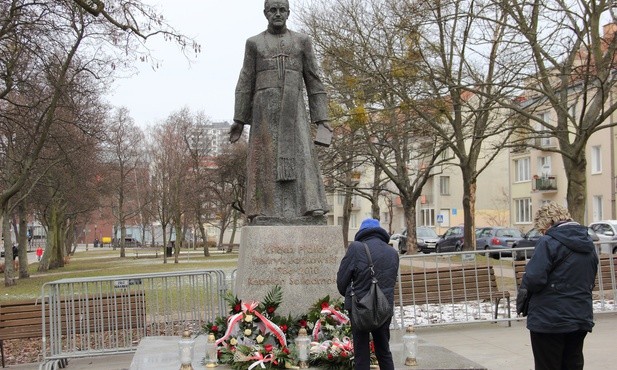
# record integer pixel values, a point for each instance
(23, 242)
(577, 187)
(234, 225)
(56, 240)
(164, 227)
(375, 210)
(409, 210)
(179, 241)
(122, 238)
(469, 210)
(346, 216)
(204, 237)
(9, 280)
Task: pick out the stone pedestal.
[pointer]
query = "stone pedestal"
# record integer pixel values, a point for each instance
(303, 260)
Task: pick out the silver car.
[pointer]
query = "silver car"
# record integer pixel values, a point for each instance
(607, 233)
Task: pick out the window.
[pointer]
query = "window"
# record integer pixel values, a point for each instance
(353, 223)
(523, 210)
(340, 199)
(521, 170)
(447, 154)
(444, 185)
(544, 165)
(385, 216)
(339, 221)
(572, 112)
(427, 217)
(545, 136)
(597, 208)
(596, 159)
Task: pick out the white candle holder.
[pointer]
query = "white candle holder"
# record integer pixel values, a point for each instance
(186, 348)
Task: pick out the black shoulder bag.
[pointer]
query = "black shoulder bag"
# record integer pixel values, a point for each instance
(373, 310)
(524, 296)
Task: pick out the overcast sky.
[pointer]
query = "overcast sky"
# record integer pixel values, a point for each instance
(221, 27)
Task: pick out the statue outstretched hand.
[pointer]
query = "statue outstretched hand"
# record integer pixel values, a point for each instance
(235, 131)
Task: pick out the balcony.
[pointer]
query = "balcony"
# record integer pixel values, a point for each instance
(545, 142)
(544, 183)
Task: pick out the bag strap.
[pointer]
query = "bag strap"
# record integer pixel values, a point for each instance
(561, 261)
(370, 266)
(370, 260)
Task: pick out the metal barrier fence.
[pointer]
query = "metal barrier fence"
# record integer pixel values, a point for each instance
(472, 286)
(109, 315)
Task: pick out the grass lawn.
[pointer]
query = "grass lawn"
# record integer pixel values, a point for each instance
(108, 263)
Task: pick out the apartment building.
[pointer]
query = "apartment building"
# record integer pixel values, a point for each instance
(538, 176)
(441, 203)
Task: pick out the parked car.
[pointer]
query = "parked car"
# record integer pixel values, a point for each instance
(499, 238)
(426, 238)
(452, 240)
(395, 239)
(131, 242)
(531, 240)
(607, 233)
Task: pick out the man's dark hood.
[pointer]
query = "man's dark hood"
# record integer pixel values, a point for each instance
(572, 235)
(372, 232)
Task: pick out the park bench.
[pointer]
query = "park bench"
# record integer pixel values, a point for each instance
(24, 319)
(450, 285)
(228, 247)
(606, 279)
(146, 252)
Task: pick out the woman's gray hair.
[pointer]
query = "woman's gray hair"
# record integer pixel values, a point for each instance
(550, 214)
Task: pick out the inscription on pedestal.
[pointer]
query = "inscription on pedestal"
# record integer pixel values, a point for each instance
(303, 260)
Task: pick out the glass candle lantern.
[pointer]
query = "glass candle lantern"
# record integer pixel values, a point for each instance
(410, 347)
(212, 351)
(186, 346)
(303, 343)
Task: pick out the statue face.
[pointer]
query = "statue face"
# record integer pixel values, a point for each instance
(277, 12)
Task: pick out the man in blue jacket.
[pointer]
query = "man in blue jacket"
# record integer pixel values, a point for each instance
(355, 268)
(560, 277)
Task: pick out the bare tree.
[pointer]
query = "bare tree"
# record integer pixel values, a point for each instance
(124, 154)
(570, 65)
(45, 48)
(171, 160)
(227, 187)
(200, 152)
(66, 192)
(368, 62)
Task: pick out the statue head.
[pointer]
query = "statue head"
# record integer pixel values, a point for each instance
(277, 12)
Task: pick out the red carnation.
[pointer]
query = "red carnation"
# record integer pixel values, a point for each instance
(302, 323)
(270, 309)
(237, 307)
(330, 356)
(324, 305)
(214, 328)
(344, 354)
(286, 350)
(268, 347)
(284, 328)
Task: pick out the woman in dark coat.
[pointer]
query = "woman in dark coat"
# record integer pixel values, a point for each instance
(355, 267)
(560, 277)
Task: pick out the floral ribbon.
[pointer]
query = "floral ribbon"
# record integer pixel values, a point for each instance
(316, 330)
(345, 344)
(261, 360)
(330, 311)
(249, 307)
(271, 327)
(338, 316)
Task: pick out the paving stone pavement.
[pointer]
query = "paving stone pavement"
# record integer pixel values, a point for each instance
(491, 345)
